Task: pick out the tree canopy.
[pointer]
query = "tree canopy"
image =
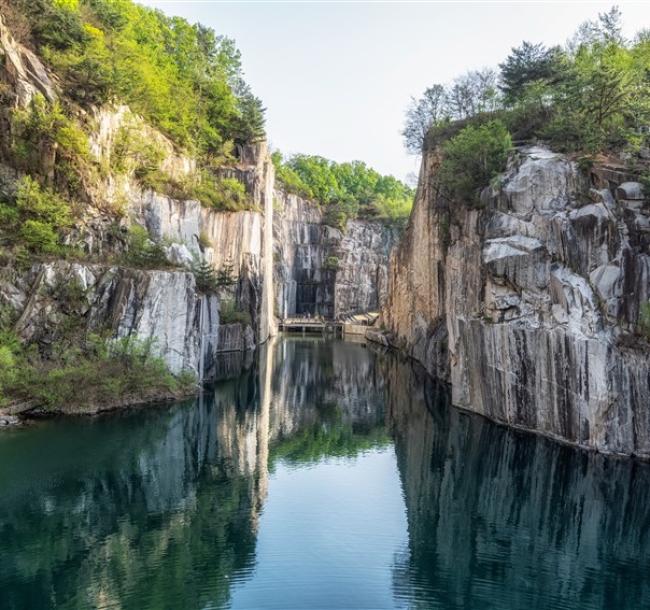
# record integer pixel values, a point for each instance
(182, 77)
(345, 190)
(591, 95)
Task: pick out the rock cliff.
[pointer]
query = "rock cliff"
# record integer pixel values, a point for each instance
(162, 305)
(529, 304)
(321, 270)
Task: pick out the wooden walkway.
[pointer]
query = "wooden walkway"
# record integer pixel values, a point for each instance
(309, 325)
(353, 324)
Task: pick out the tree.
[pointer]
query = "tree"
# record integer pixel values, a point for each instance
(471, 159)
(226, 275)
(607, 29)
(37, 217)
(527, 64)
(206, 278)
(344, 190)
(421, 115)
(249, 124)
(473, 93)
(603, 100)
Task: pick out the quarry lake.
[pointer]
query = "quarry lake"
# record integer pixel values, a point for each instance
(317, 474)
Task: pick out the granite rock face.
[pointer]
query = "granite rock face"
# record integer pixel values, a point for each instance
(22, 69)
(158, 306)
(320, 270)
(530, 305)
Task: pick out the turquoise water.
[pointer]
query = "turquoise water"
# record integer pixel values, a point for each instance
(322, 475)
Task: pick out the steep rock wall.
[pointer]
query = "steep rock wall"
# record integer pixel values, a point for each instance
(529, 306)
(158, 306)
(192, 232)
(320, 270)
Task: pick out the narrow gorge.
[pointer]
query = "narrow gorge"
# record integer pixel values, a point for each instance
(280, 257)
(242, 376)
(528, 303)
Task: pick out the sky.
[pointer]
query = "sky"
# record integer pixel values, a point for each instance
(337, 77)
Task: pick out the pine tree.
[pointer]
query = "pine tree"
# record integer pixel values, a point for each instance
(206, 277)
(226, 275)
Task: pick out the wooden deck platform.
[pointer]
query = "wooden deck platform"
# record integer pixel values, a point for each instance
(309, 325)
(353, 324)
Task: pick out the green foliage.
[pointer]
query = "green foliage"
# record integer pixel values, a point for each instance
(205, 276)
(645, 181)
(226, 275)
(132, 152)
(182, 77)
(472, 159)
(9, 349)
(604, 99)
(208, 280)
(422, 114)
(526, 66)
(331, 263)
(644, 320)
(229, 314)
(345, 190)
(218, 193)
(44, 126)
(142, 251)
(109, 371)
(592, 96)
(223, 194)
(36, 218)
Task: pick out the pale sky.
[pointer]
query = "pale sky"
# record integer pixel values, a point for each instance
(336, 77)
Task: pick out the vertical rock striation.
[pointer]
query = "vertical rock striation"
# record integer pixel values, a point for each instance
(530, 305)
(320, 270)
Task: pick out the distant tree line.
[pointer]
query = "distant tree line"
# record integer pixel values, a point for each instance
(345, 190)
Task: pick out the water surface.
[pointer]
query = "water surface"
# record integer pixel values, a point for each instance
(322, 475)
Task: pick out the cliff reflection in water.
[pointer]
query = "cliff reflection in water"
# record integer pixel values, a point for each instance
(159, 507)
(164, 508)
(502, 519)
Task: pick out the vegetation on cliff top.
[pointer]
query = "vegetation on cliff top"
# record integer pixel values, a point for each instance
(345, 190)
(591, 96)
(471, 159)
(182, 77)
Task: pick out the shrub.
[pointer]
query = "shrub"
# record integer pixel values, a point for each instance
(472, 159)
(7, 366)
(223, 194)
(133, 152)
(204, 241)
(109, 371)
(39, 236)
(142, 251)
(644, 320)
(35, 218)
(217, 193)
(226, 275)
(205, 276)
(43, 124)
(229, 314)
(331, 263)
